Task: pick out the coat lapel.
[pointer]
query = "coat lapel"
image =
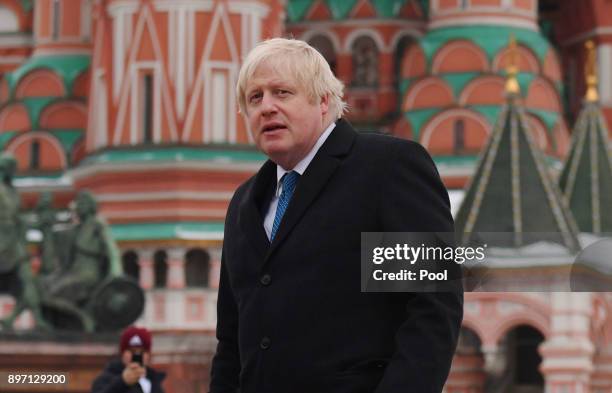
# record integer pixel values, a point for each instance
(312, 182)
(251, 217)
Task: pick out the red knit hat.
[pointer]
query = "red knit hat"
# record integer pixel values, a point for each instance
(135, 337)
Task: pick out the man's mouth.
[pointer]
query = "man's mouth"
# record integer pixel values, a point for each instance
(273, 127)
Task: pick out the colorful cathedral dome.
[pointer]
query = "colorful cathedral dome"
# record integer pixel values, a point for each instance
(452, 82)
(43, 112)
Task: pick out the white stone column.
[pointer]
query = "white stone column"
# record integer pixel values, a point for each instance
(176, 268)
(567, 354)
(215, 267)
(145, 262)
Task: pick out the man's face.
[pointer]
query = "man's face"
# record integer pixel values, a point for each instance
(284, 123)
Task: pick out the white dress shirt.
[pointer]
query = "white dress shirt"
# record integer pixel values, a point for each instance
(145, 384)
(299, 168)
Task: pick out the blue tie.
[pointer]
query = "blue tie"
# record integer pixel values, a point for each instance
(289, 181)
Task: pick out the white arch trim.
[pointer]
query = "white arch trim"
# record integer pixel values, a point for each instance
(310, 34)
(531, 57)
(375, 35)
(27, 136)
(459, 44)
(412, 33)
(432, 124)
(54, 107)
(39, 73)
(6, 110)
(467, 90)
(538, 131)
(528, 318)
(549, 88)
(9, 23)
(422, 84)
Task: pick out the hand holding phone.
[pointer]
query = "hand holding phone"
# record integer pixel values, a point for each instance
(137, 358)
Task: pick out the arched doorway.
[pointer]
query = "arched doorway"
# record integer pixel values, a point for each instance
(518, 368)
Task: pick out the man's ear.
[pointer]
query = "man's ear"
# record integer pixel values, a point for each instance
(324, 104)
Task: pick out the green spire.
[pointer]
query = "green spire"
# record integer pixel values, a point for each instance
(512, 191)
(586, 178)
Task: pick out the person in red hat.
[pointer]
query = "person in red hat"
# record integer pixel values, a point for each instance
(131, 373)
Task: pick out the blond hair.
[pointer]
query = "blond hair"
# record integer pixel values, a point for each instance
(307, 66)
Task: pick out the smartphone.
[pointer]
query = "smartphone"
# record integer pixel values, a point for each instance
(137, 357)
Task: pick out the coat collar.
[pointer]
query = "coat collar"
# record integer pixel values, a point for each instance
(312, 182)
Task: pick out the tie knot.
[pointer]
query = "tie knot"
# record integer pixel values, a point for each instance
(289, 181)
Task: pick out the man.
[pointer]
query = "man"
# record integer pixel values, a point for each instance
(131, 374)
(291, 316)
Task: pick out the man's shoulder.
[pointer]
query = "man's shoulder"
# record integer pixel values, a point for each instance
(388, 145)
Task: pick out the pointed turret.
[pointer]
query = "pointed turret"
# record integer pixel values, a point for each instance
(512, 191)
(586, 178)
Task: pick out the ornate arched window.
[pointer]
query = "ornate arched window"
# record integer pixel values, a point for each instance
(197, 263)
(365, 62)
(326, 48)
(130, 265)
(160, 268)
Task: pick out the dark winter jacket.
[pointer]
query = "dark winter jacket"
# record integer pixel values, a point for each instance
(110, 380)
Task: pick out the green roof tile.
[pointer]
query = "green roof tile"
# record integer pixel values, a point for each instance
(424, 6)
(68, 67)
(547, 117)
(35, 106)
(6, 136)
(455, 160)
(340, 8)
(166, 230)
(458, 80)
(68, 137)
(181, 153)
(27, 4)
(388, 8)
(418, 118)
(524, 79)
(404, 85)
(296, 9)
(491, 112)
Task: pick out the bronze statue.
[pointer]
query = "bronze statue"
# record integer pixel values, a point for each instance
(87, 291)
(15, 265)
(92, 255)
(80, 285)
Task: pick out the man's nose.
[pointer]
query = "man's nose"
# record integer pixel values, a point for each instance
(268, 104)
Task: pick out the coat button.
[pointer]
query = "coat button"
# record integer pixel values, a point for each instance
(265, 280)
(265, 343)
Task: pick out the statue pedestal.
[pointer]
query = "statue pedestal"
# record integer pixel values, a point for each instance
(80, 357)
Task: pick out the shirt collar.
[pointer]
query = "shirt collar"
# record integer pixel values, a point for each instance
(301, 166)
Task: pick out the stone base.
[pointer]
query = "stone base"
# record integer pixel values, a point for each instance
(184, 356)
(80, 357)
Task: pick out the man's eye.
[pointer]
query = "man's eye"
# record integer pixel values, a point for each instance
(254, 97)
(283, 93)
